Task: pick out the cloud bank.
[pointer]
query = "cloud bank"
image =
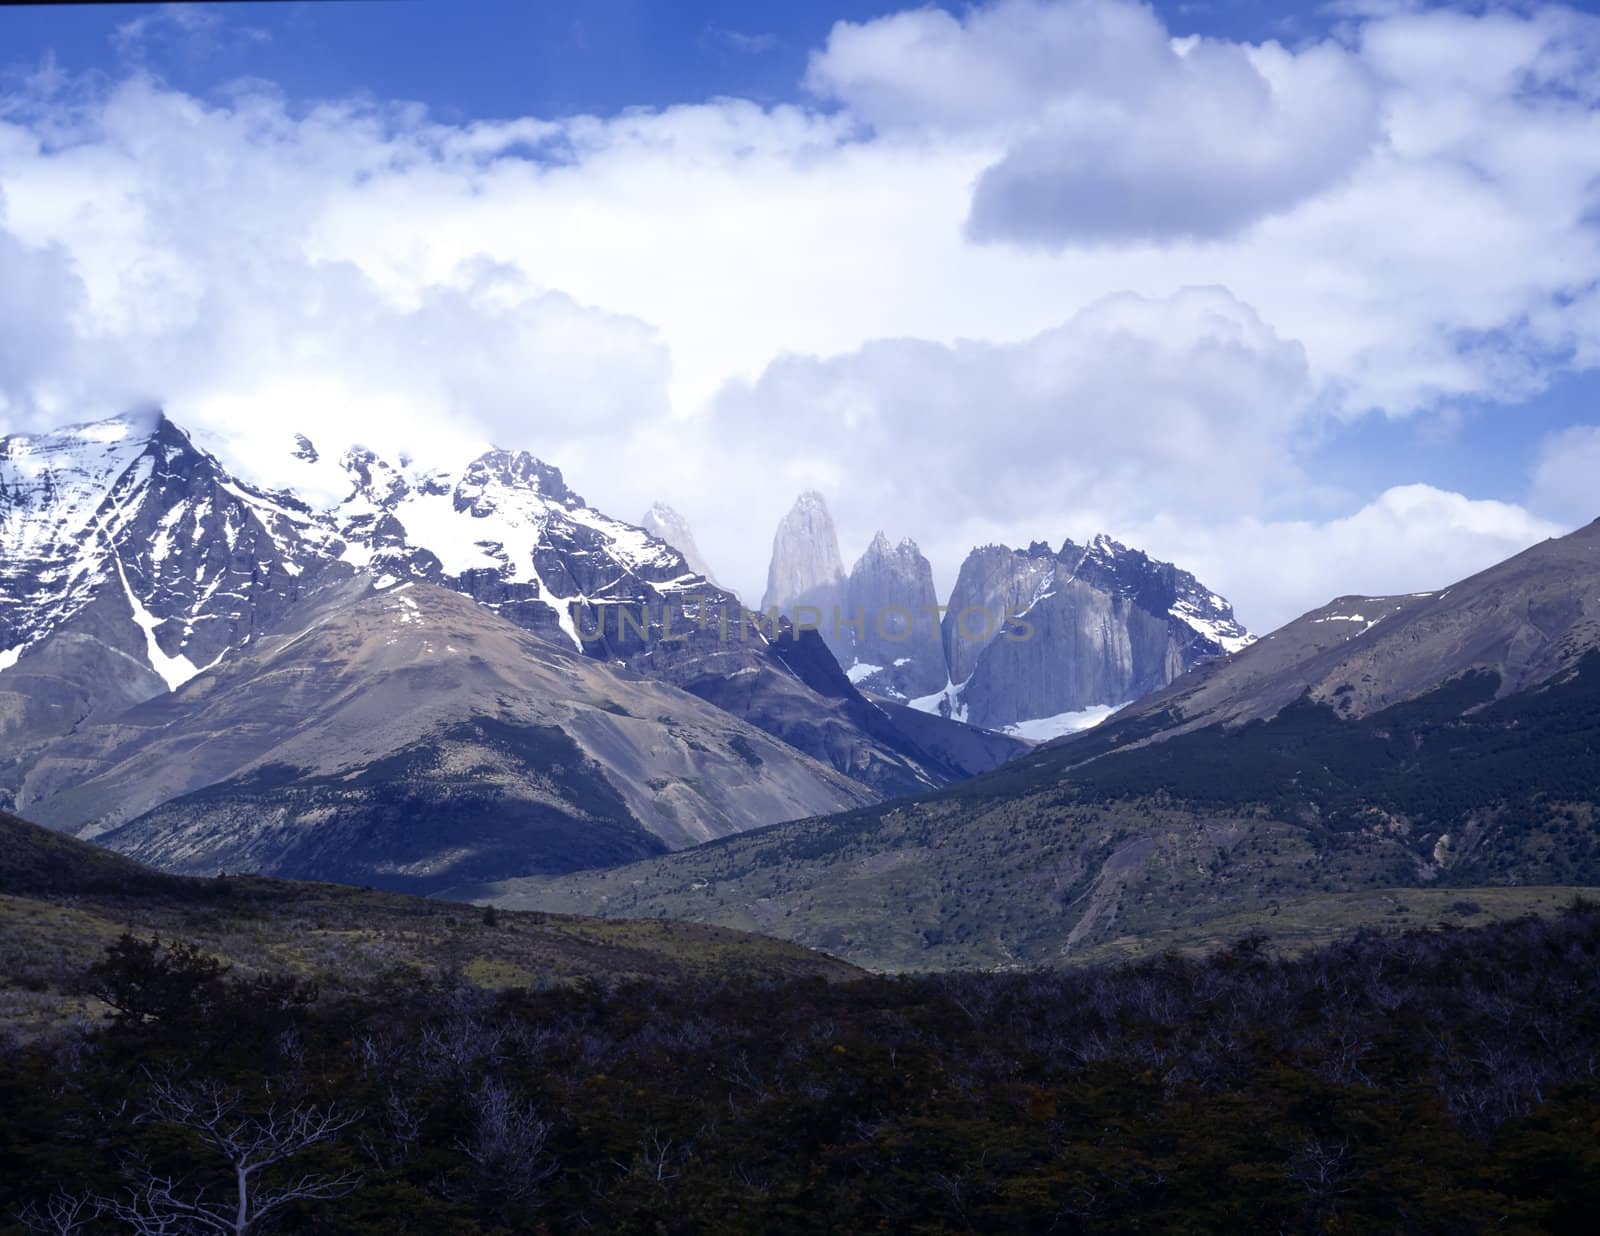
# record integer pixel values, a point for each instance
(1045, 299)
(1113, 130)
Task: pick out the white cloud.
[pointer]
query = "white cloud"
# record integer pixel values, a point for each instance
(742, 42)
(1114, 131)
(1133, 405)
(1566, 477)
(195, 31)
(1412, 538)
(585, 287)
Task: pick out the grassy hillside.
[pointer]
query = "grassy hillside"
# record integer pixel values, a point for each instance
(63, 901)
(1078, 845)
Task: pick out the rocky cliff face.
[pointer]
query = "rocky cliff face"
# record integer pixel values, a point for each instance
(995, 584)
(665, 524)
(896, 648)
(1041, 635)
(1043, 639)
(805, 570)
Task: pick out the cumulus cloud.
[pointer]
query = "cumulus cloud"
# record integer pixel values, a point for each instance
(1114, 130)
(1133, 404)
(720, 304)
(200, 290)
(1566, 476)
(40, 297)
(1411, 538)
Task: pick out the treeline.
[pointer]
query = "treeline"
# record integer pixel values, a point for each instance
(1441, 1082)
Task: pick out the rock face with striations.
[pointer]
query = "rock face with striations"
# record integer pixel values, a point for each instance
(896, 650)
(1091, 626)
(805, 570)
(665, 524)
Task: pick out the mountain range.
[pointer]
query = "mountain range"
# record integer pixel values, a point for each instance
(1036, 642)
(1422, 746)
(444, 672)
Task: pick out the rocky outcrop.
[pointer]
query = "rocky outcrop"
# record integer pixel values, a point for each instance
(1036, 634)
(805, 571)
(665, 524)
(994, 585)
(894, 645)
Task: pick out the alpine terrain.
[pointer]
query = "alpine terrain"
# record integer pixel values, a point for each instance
(445, 674)
(1378, 758)
(1035, 642)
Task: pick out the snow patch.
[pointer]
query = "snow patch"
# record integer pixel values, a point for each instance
(950, 695)
(1042, 729)
(174, 671)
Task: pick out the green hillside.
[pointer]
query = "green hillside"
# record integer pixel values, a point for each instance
(62, 902)
(1090, 841)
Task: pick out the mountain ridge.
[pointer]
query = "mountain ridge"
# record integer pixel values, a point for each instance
(1169, 816)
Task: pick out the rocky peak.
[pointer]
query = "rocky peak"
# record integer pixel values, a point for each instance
(510, 470)
(806, 568)
(144, 555)
(665, 523)
(897, 650)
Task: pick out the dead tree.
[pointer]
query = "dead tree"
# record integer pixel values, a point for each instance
(248, 1144)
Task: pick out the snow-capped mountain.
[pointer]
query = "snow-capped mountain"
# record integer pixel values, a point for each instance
(1032, 635)
(132, 562)
(507, 532)
(128, 533)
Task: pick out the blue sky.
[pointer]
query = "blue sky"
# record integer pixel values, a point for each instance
(1308, 300)
(499, 58)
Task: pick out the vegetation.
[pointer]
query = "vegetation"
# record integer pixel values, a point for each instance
(1428, 1082)
(1074, 847)
(79, 899)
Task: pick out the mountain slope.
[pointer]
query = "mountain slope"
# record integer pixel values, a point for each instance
(130, 560)
(1525, 619)
(136, 567)
(62, 902)
(405, 736)
(1482, 767)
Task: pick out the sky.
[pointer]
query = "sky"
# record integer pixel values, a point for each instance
(1306, 299)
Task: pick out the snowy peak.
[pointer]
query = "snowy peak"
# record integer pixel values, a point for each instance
(139, 545)
(494, 475)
